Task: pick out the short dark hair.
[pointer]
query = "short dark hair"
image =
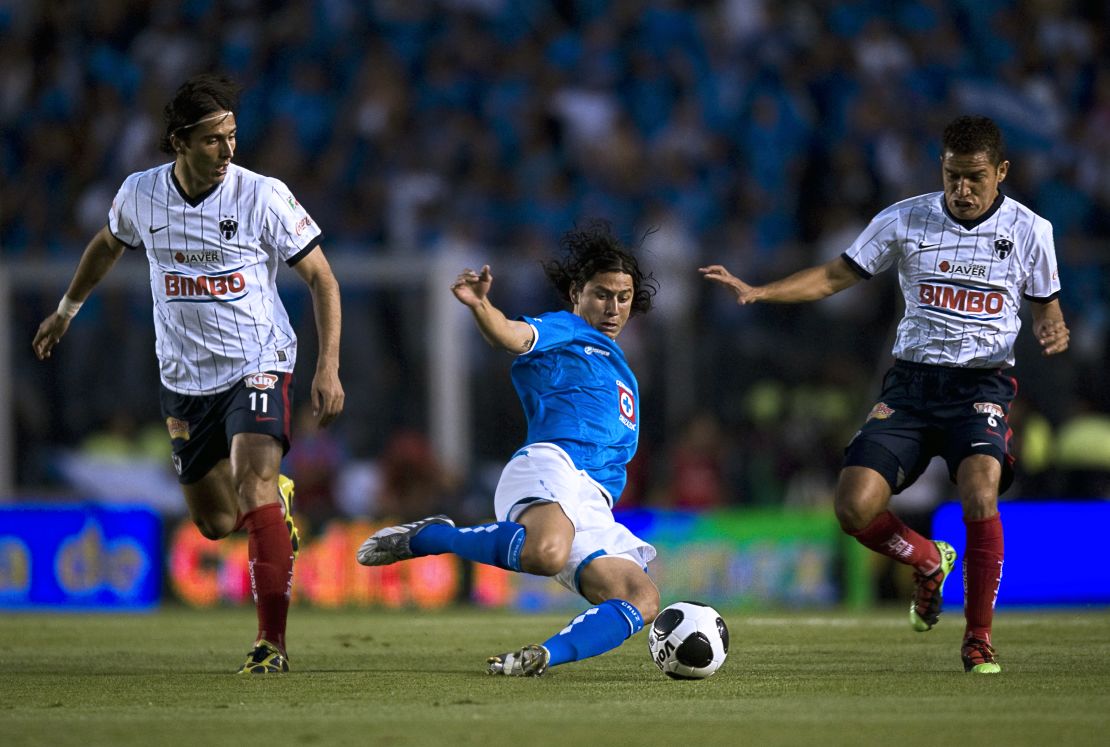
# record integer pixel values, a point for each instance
(972, 134)
(199, 96)
(594, 250)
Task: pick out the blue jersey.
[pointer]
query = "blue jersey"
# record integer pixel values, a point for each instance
(579, 394)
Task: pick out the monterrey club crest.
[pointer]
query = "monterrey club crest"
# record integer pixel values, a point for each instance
(627, 403)
(178, 428)
(881, 411)
(229, 226)
(1003, 247)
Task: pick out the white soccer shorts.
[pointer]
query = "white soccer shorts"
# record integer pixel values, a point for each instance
(543, 473)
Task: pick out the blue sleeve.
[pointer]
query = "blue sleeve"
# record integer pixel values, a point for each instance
(553, 330)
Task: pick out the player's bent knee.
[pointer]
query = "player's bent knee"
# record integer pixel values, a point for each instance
(540, 566)
(543, 557)
(852, 522)
(215, 527)
(851, 518)
(861, 495)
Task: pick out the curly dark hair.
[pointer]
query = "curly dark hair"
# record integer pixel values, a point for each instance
(594, 250)
(972, 134)
(200, 95)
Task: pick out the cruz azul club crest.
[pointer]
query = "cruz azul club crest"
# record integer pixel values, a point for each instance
(627, 403)
(228, 227)
(1003, 247)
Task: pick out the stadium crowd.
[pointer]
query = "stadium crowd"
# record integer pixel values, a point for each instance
(759, 134)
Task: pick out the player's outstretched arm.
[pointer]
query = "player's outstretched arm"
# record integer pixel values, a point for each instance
(472, 289)
(1049, 327)
(811, 284)
(327, 391)
(98, 258)
(718, 274)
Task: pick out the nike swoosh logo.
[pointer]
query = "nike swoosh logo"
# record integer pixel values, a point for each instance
(161, 228)
(923, 245)
(981, 443)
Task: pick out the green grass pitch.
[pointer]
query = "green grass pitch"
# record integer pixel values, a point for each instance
(417, 678)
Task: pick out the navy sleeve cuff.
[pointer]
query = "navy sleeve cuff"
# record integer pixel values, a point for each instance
(855, 266)
(1041, 299)
(304, 252)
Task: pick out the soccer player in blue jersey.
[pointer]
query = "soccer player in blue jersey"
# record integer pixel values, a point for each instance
(553, 503)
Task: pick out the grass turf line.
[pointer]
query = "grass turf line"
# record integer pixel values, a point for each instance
(417, 678)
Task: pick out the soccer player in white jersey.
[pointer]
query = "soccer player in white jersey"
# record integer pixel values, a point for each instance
(554, 501)
(965, 257)
(213, 233)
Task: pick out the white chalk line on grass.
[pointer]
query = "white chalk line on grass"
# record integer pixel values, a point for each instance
(1083, 617)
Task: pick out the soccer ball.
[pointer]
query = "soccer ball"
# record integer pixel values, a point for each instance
(688, 641)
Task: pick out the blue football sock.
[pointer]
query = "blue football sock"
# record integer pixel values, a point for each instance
(497, 544)
(594, 632)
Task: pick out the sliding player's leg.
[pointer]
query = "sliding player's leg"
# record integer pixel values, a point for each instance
(607, 565)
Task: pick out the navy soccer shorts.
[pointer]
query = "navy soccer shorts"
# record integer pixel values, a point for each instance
(926, 411)
(201, 428)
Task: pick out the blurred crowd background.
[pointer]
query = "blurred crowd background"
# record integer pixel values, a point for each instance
(760, 134)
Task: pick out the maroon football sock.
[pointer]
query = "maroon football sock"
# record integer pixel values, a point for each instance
(270, 560)
(888, 535)
(982, 574)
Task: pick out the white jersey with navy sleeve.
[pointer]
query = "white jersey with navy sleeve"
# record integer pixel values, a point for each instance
(213, 270)
(962, 281)
(578, 393)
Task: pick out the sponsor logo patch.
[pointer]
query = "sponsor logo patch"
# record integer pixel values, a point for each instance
(260, 381)
(591, 350)
(178, 428)
(967, 271)
(956, 298)
(302, 224)
(193, 258)
(181, 287)
(880, 412)
(989, 408)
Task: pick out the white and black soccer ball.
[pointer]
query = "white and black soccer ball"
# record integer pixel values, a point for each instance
(688, 641)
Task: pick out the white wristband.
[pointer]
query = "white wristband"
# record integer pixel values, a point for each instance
(68, 308)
